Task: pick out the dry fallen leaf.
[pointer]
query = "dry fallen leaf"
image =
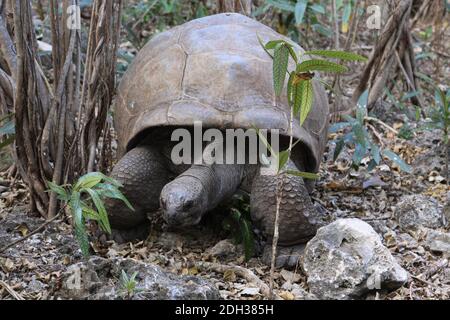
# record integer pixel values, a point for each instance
(66, 260)
(9, 265)
(193, 271)
(23, 229)
(290, 276)
(286, 295)
(229, 275)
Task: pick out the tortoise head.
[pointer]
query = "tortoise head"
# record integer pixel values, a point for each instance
(184, 201)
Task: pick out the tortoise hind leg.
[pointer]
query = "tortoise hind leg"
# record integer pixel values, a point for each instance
(143, 173)
(298, 219)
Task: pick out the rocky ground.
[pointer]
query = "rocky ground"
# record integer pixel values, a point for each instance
(392, 234)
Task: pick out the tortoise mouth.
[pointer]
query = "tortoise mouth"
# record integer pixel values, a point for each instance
(181, 220)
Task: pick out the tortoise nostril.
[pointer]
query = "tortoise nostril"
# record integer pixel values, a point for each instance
(188, 205)
(163, 204)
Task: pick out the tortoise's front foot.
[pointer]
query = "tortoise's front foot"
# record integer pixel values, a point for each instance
(286, 257)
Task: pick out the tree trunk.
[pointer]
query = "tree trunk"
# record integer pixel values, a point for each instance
(47, 144)
(240, 6)
(392, 55)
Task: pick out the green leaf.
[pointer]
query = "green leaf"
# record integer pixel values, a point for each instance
(89, 213)
(8, 128)
(372, 165)
(247, 238)
(291, 90)
(263, 46)
(78, 221)
(111, 191)
(280, 66)
(317, 8)
(320, 65)
(322, 30)
(300, 9)
(338, 149)
(358, 130)
(347, 13)
(75, 208)
(283, 158)
(103, 216)
(305, 175)
(397, 160)
(282, 5)
(264, 140)
(335, 127)
(410, 95)
(363, 100)
(406, 132)
(60, 191)
(125, 278)
(307, 95)
(292, 53)
(82, 237)
(358, 155)
(336, 54)
(375, 152)
(272, 44)
(443, 99)
(89, 180)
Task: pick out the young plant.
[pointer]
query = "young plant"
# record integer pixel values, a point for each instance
(238, 223)
(86, 202)
(128, 285)
(440, 120)
(300, 98)
(299, 87)
(359, 138)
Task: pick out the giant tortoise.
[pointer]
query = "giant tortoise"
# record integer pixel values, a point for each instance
(212, 70)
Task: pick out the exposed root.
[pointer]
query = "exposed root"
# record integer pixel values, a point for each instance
(242, 272)
(11, 291)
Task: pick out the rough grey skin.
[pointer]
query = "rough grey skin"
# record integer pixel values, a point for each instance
(199, 190)
(211, 70)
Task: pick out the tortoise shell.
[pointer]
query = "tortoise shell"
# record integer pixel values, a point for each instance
(213, 70)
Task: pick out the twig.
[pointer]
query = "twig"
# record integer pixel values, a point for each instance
(381, 123)
(442, 264)
(280, 187)
(377, 134)
(11, 291)
(242, 272)
(9, 246)
(445, 55)
(376, 219)
(409, 78)
(423, 281)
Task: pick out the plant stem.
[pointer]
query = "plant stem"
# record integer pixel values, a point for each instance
(280, 186)
(447, 160)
